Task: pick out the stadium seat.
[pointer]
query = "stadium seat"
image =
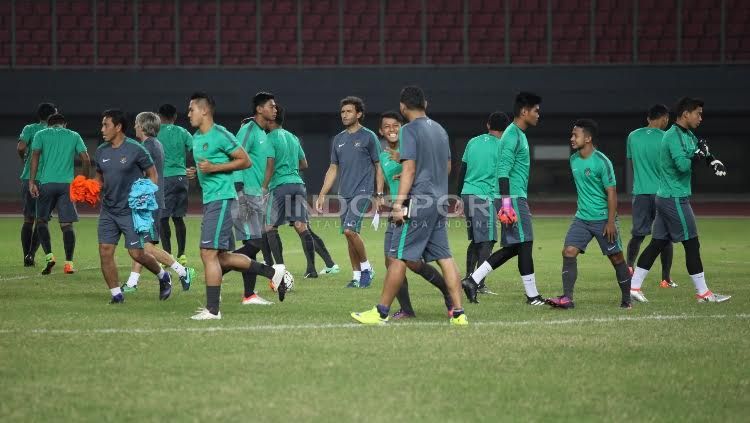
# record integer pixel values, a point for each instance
(738, 28)
(613, 30)
(197, 32)
(33, 33)
(362, 35)
(444, 32)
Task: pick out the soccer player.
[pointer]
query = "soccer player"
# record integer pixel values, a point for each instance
(29, 235)
(420, 209)
(146, 127)
(675, 221)
(120, 161)
(390, 162)
(596, 216)
(355, 151)
(217, 154)
(643, 148)
(479, 190)
(54, 150)
(288, 197)
(516, 235)
(176, 141)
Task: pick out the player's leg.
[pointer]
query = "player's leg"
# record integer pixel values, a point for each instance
(308, 247)
(666, 228)
(498, 258)
(67, 215)
(251, 248)
(322, 251)
(108, 235)
(295, 211)
(29, 234)
(359, 206)
(431, 275)
(613, 251)
(526, 270)
(666, 257)
(165, 234)
(404, 299)
(471, 248)
(576, 241)
(180, 231)
(437, 249)
(45, 203)
(644, 213)
(178, 213)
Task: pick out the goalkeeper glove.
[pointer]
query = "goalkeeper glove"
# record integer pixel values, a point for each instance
(717, 166)
(507, 215)
(701, 149)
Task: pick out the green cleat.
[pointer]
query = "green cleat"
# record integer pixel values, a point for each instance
(369, 317)
(330, 270)
(129, 289)
(188, 279)
(461, 320)
(182, 260)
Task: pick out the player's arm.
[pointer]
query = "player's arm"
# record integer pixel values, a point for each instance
(35, 154)
(270, 168)
(461, 177)
(152, 174)
(702, 151)
(303, 164)
(21, 149)
(610, 231)
(85, 163)
(408, 170)
(330, 178)
(238, 160)
(681, 158)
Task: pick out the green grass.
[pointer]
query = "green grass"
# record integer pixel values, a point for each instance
(65, 355)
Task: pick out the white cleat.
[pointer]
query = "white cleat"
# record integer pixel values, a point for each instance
(255, 299)
(278, 276)
(710, 297)
(637, 295)
(204, 314)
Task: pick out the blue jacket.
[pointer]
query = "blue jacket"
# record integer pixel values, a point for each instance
(142, 201)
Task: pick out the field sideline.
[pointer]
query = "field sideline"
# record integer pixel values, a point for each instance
(65, 355)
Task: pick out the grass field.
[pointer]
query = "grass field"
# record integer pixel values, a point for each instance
(65, 355)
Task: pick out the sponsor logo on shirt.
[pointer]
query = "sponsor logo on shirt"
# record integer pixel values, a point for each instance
(205, 146)
(105, 160)
(123, 159)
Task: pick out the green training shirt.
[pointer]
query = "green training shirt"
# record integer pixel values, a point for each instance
(254, 140)
(515, 160)
(676, 162)
(27, 136)
(390, 169)
(287, 152)
(58, 149)
(592, 176)
(482, 158)
(215, 146)
(643, 149)
(175, 140)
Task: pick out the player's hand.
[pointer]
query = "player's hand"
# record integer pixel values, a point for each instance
(190, 173)
(610, 231)
(718, 168)
(701, 149)
(33, 189)
(397, 214)
(206, 167)
(319, 204)
(395, 155)
(379, 201)
(507, 215)
(458, 208)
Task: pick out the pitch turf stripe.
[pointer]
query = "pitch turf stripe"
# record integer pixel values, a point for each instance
(279, 328)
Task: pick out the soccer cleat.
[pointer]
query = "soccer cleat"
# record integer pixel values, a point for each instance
(401, 314)
(461, 320)
(561, 302)
(482, 289)
(311, 275)
(165, 286)
(50, 264)
(353, 284)
(668, 283)
(710, 297)
(28, 261)
(277, 283)
(330, 270)
(117, 299)
(470, 289)
(535, 301)
(204, 314)
(365, 279)
(68, 269)
(129, 289)
(187, 280)
(627, 305)
(637, 295)
(255, 299)
(182, 260)
(369, 317)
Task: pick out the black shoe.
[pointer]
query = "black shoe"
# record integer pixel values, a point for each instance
(627, 305)
(165, 287)
(48, 269)
(535, 301)
(281, 290)
(482, 289)
(117, 299)
(470, 289)
(28, 261)
(311, 275)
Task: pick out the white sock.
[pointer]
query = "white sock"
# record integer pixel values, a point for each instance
(639, 275)
(115, 291)
(481, 272)
(356, 274)
(365, 265)
(161, 273)
(133, 279)
(180, 269)
(529, 284)
(699, 280)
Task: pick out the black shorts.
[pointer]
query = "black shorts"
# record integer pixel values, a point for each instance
(56, 196)
(287, 203)
(175, 196)
(674, 220)
(644, 213)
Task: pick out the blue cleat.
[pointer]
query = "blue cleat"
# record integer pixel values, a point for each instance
(365, 279)
(165, 286)
(117, 299)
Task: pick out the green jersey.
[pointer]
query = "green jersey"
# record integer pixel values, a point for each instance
(390, 169)
(643, 150)
(27, 136)
(515, 160)
(287, 152)
(215, 146)
(482, 158)
(254, 140)
(675, 162)
(592, 175)
(175, 140)
(58, 148)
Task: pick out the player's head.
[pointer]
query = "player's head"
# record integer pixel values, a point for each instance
(201, 108)
(264, 105)
(278, 122)
(584, 132)
(147, 125)
(497, 121)
(114, 124)
(167, 113)
(352, 110)
(412, 99)
(689, 112)
(390, 124)
(526, 108)
(57, 120)
(45, 110)
(658, 115)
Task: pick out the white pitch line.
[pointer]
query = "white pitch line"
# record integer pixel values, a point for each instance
(280, 328)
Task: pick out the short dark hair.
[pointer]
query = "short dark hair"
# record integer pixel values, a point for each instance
(358, 103)
(657, 110)
(168, 110)
(45, 110)
(589, 126)
(498, 121)
(280, 115)
(117, 117)
(525, 100)
(413, 98)
(200, 95)
(261, 99)
(390, 114)
(687, 104)
(56, 119)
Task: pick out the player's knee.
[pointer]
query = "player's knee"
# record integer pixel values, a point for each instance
(350, 233)
(415, 266)
(570, 251)
(208, 254)
(41, 222)
(66, 227)
(106, 250)
(616, 259)
(137, 254)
